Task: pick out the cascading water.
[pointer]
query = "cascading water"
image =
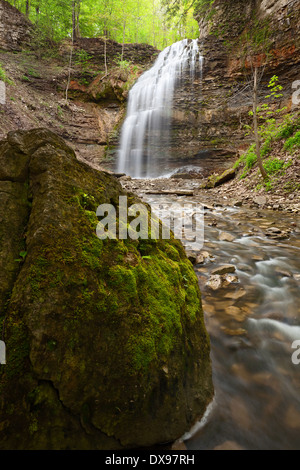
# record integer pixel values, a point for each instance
(145, 133)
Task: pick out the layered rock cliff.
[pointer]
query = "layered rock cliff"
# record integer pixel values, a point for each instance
(15, 29)
(235, 35)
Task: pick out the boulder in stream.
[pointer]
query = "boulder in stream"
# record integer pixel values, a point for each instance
(105, 339)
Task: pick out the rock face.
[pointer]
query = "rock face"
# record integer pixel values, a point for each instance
(95, 47)
(106, 344)
(234, 34)
(209, 116)
(14, 27)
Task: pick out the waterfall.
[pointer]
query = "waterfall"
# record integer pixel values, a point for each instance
(145, 133)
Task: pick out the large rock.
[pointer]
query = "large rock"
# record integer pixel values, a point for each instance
(106, 343)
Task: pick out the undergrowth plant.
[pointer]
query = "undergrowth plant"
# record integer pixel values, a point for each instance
(268, 131)
(3, 76)
(293, 143)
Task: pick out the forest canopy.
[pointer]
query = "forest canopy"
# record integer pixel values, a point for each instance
(125, 21)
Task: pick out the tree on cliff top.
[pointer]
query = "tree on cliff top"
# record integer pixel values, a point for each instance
(144, 21)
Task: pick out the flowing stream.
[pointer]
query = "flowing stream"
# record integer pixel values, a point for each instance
(252, 324)
(146, 131)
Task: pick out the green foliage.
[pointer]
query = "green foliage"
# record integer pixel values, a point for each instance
(22, 255)
(125, 21)
(267, 185)
(3, 76)
(82, 59)
(249, 159)
(287, 128)
(258, 35)
(274, 165)
(293, 143)
(124, 65)
(291, 186)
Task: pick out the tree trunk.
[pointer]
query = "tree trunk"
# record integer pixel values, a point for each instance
(105, 55)
(123, 41)
(75, 18)
(255, 124)
(70, 65)
(27, 8)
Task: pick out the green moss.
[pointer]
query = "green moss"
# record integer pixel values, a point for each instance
(17, 347)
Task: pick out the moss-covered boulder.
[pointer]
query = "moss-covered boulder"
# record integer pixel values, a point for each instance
(217, 180)
(106, 344)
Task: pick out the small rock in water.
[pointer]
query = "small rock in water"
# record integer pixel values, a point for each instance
(258, 257)
(191, 256)
(236, 294)
(214, 282)
(283, 272)
(230, 332)
(292, 417)
(230, 279)
(214, 223)
(238, 203)
(226, 237)
(236, 313)
(273, 230)
(260, 200)
(179, 445)
(229, 445)
(203, 257)
(208, 207)
(226, 269)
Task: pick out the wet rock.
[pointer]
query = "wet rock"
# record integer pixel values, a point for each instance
(229, 279)
(125, 178)
(283, 272)
(236, 294)
(277, 234)
(215, 282)
(217, 180)
(218, 281)
(179, 445)
(214, 223)
(229, 445)
(238, 203)
(203, 257)
(292, 417)
(208, 207)
(273, 230)
(234, 332)
(226, 269)
(260, 200)
(237, 313)
(258, 257)
(192, 256)
(226, 237)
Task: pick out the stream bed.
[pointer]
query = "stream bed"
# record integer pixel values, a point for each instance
(253, 320)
